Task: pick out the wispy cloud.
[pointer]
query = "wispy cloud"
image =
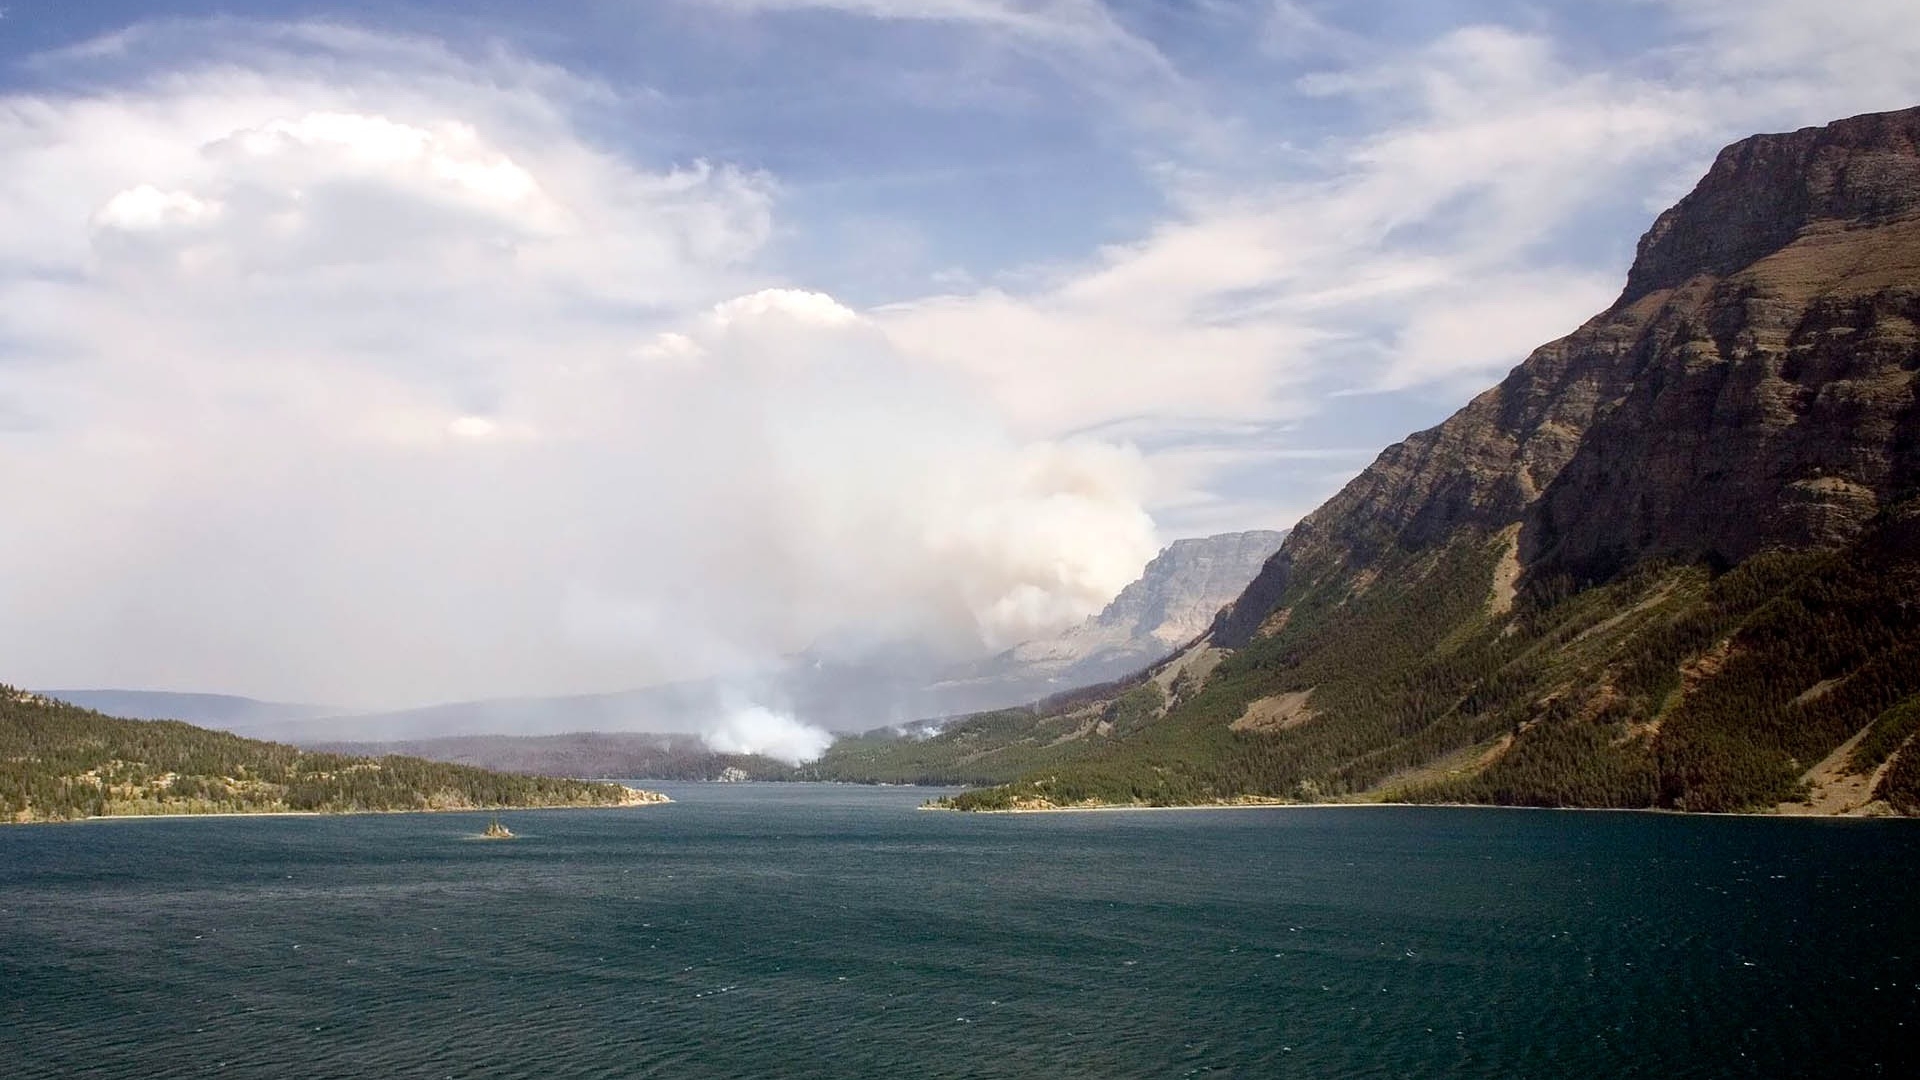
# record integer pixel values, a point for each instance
(1086, 27)
(1428, 251)
(1411, 254)
(1091, 50)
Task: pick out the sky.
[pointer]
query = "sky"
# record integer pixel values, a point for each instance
(378, 354)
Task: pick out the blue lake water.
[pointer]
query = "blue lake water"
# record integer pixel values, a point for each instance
(825, 931)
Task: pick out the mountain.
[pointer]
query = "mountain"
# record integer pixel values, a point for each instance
(239, 714)
(1173, 602)
(1672, 560)
(60, 762)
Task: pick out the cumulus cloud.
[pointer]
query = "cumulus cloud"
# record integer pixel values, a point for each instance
(895, 498)
(339, 383)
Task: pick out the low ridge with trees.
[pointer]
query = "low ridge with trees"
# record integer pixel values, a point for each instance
(59, 762)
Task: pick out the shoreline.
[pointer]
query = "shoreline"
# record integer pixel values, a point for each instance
(659, 800)
(1105, 808)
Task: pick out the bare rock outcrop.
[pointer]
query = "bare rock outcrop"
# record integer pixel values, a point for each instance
(1753, 387)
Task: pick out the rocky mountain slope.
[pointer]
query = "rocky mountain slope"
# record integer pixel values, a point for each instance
(1174, 601)
(1671, 560)
(1752, 387)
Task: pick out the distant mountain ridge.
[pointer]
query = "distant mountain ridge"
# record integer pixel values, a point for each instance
(1173, 601)
(620, 755)
(227, 712)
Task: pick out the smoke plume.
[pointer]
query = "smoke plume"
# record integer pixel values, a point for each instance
(409, 394)
(759, 730)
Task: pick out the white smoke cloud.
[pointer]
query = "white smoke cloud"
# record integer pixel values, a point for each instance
(759, 730)
(333, 382)
(879, 497)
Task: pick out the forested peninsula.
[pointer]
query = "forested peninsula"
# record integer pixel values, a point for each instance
(63, 763)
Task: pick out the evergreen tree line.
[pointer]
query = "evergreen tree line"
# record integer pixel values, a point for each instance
(60, 762)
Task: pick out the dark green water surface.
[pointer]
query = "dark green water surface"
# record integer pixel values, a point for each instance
(802, 931)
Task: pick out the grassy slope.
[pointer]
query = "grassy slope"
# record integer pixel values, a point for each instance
(59, 762)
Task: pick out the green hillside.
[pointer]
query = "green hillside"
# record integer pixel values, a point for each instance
(59, 762)
(1674, 687)
(989, 748)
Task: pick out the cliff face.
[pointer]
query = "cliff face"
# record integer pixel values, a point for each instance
(1763, 192)
(1173, 601)
(1772, 407)
(1752, 388)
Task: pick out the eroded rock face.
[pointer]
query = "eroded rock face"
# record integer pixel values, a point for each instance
(1791, 427)
(1180, 591)
(1754, 386)
(1761, 192)
(1173, 601)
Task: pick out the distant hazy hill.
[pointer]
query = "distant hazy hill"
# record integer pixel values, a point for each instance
(238, 714)
(1172, 602)
(1175, 598)
(627, 756)
(1672, 560)
(675, 708)
(59, 761)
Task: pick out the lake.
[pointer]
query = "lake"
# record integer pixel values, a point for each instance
(764, 930)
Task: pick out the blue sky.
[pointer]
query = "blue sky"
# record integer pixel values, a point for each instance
(385, 353)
